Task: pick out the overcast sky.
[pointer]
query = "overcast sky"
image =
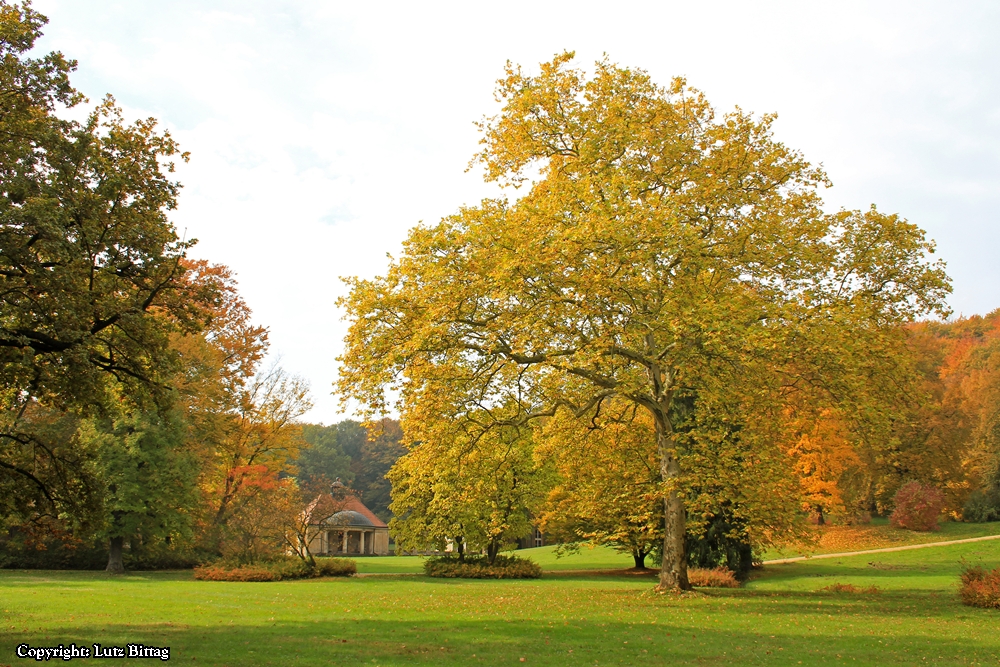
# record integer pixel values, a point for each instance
(320, 132)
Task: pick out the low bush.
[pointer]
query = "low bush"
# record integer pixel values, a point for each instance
(981, 587)
(478, 567)
(716, 577)
(724, 543)
(335, 567)
(982, 506)
(276, 570)
(238, 573)
(918, 507)
(850, 588)
(51, 553)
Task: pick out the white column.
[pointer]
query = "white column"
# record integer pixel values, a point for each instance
(344, 534)
(362, 541)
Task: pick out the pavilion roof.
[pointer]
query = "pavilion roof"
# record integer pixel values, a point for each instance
(350, 503)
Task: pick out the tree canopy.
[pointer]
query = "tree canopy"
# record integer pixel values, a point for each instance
(92, 278)
(658, 254)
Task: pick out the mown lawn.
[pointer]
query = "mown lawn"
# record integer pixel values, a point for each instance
(879, 535)
(781, 618)
(596, 558)
(830, 539)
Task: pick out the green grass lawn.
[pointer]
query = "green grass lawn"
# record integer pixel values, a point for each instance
(780, 618)
(879, 534)
(597, 558)
(837, 539)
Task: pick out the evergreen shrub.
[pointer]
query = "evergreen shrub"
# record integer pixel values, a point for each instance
(982, 506)
(723, 543)
(478, 567)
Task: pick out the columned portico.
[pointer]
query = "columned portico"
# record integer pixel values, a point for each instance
(354, 530)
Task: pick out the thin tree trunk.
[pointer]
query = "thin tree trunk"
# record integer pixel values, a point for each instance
(115, 564)
(492, 549)
(673, 571)
(460, 546)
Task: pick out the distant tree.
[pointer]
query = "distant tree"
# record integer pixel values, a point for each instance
(608, 488)
(379, 452)
(825, 460)
(306, 515)
(260, 432)
(360, 456)
(148, 480)
(475, 493)
(256, 527)
(326, 457)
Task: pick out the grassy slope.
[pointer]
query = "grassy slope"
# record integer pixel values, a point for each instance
(879, 534)
(831, 539)
(780, 618)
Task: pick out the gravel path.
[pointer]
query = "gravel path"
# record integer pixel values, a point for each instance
(927, 545)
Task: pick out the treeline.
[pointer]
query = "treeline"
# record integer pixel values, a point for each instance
(597, 479)
(139, 424)
(360, 457)
(943, 432)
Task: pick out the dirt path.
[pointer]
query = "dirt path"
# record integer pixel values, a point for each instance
(926, 545)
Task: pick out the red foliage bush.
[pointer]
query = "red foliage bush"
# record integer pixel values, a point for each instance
(918, 507)
(717, 577)
(981, 587)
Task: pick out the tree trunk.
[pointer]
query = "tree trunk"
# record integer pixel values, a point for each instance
(639, 556)
(673, 571)
(460, 547)
(115, 564)
(492, 549)
(820, 519)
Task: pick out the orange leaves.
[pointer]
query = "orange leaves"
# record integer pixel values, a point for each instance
(257, 477)
(823, 454)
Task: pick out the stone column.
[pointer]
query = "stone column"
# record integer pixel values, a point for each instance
(361, 541)
(344, 544)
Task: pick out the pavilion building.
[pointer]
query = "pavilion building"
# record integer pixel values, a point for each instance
(352, 530)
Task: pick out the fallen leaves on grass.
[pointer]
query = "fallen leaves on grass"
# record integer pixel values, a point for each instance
(851, 588)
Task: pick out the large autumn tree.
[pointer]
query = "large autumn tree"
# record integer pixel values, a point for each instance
(658, 254)
(91, 272)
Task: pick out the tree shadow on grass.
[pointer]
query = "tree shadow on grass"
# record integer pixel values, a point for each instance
(495, 642)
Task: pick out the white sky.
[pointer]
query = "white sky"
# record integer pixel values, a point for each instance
(320, 132)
